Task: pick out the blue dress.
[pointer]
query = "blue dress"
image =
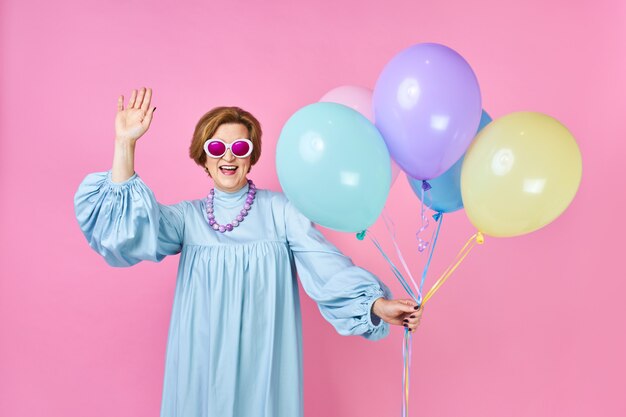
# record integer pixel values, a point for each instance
(235, 338)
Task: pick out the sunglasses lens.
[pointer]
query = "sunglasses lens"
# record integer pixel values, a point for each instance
(216, 148)
(240, 148)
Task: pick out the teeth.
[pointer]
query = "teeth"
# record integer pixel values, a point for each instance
(229, 168)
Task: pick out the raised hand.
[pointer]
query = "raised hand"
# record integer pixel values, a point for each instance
(134, 120)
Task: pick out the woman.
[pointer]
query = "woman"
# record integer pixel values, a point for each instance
(235, 345)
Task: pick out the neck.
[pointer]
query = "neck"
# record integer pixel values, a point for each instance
(232, 190)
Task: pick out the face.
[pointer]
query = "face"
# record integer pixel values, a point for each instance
(228, 172)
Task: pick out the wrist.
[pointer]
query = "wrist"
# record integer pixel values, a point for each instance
(377, 306)
(125, 143)
(123, 160)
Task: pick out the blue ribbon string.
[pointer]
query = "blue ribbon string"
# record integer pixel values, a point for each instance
(393, 267)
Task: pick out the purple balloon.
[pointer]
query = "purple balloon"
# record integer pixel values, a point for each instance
(427, 107)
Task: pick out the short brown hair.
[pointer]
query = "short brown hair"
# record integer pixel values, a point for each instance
(211, 121)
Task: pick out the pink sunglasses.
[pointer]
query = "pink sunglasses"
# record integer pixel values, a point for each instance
(216, 148)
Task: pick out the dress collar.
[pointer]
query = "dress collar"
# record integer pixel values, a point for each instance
(230, 197)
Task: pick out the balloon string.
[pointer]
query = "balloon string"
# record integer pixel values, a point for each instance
(431, 250)
(406, 371)
(476, 239)
(392, 233)
(393, 268)
(408, 375)
(405, 402)
(406, 348)
(422, 244)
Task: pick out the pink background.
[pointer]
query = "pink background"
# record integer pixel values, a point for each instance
(529, 326)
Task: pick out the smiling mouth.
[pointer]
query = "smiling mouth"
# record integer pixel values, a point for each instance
(228, 169)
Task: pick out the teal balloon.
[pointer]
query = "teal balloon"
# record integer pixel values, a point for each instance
(333, 165)
(445, 194)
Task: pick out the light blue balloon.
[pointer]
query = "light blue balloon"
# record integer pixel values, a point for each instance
(333, 165)
(445, 194)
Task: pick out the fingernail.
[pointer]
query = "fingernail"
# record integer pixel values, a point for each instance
(417, 307)
(412, 317)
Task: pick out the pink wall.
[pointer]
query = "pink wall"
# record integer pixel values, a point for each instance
(529, 326)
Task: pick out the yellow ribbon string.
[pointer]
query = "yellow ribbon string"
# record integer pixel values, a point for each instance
(406, 388)
(476, 239)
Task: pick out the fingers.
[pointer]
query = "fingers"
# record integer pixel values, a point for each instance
(133, 97)
(140, 96)
(412, 321)
(145, 105)
(148, 119)
(409, 307)
(138, 100)
(412, 326)
(120, 103)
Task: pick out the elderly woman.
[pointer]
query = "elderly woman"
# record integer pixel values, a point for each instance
(235, 338)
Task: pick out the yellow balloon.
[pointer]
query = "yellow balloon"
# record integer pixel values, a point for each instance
(520, 173)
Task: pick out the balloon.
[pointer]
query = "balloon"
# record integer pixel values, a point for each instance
(395, 171)
(359, 99)
(427, 107)
(520, 174)
(333, 165)
(445, 194)
(355, 97)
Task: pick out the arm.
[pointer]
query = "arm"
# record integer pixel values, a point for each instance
(344, 292)
(116, 211)
(124, 223)
(130, 124)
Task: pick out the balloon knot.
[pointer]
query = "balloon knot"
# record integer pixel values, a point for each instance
(426, 186)
(480, 238)
(437, 216)
(361, 235)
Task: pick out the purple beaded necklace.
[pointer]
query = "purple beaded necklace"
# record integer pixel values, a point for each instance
(244, 212)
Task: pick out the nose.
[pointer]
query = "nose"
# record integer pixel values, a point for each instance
(228, 156)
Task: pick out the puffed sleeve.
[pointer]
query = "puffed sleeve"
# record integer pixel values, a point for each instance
(343, 291)
(123, 221)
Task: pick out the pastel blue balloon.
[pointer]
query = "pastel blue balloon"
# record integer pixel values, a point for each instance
(333, 165)
(445, 194)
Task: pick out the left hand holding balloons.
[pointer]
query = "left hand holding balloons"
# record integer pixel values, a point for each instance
(399, 312)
